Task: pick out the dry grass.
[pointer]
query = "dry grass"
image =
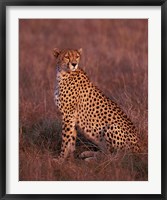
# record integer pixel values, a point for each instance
(115, 58)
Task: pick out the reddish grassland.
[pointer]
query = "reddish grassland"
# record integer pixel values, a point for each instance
(115, 57)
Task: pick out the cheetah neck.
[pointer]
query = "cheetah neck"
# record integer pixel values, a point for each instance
(57, 87)
(61, 75)
(59, 71)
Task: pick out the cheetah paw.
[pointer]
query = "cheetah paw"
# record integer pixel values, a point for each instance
(57, 161)
(89, 155)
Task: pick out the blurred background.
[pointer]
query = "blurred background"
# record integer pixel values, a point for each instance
(115, 57)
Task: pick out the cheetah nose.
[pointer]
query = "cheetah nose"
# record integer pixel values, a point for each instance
(74, 64)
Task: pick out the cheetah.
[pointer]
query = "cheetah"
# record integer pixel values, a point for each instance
(83, 105)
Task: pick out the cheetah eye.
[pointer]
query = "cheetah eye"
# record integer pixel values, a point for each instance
(77, 56)
(66, 56)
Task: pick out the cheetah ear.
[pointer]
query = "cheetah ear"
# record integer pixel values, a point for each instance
(56, 52)
(80, 51)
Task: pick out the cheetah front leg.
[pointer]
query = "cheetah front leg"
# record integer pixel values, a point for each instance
(68, 137)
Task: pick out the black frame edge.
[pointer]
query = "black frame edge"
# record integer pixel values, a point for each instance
(164, 97)
(84, 2)
(163, 4)
(3, 100)
(84, 196)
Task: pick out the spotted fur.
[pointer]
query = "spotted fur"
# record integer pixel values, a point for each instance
(83, 104)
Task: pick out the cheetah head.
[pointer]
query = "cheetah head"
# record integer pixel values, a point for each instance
(67, 60)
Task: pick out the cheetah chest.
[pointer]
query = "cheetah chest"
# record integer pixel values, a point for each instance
(60, 89)
(57, 90)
